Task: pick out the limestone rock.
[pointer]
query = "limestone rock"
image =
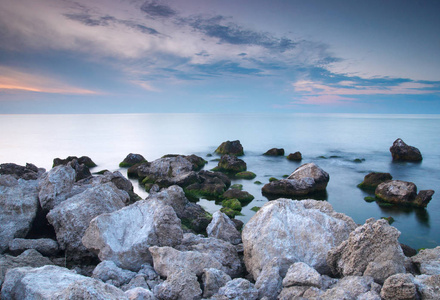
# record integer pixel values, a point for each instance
(372, 249)
(213, 280)
(352, 287)
(71, 218)
(131, 159)
(400, 151)
(29, 258)
(55, 186)
(181, 285)
(373, 179)
(428, 261)
(232, 148)
(167, 260)
(297, 156)
(231, 164)
(274, 152)
(47, 247)
(237, 289)
(124, 236)
(403, 193)
(293, 231)
(108, 272)
(19, 205)
(52, 282)
(428, 286)
(140, 294)
(306, 179)
(270, 282)
(221, 227)
(300, 274)
(399, 286)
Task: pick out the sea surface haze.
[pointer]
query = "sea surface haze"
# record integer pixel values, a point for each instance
(347, 146)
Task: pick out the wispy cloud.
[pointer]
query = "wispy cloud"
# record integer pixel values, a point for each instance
(13, 80)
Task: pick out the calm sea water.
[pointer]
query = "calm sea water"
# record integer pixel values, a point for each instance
(333, 141)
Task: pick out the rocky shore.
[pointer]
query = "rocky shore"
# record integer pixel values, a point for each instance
(69, 234)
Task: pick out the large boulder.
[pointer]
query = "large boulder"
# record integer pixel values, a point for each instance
(52, 282)
(400, 151)
(29, 258)
(403, 193)
(181, 285)
(230, 164)
(242, 196)
(28, 172)
(19, 205)
(306, 179)
(210, 184)
(428, 261)
(269, 282)
(373, 179)
(55, 186)
(371, 250)
(274, 152)
(232, 148)
(221, 227)
(131, 159)
(293, 231)
(399, 287)
(83, 160)
(71, 218)
(124, 236)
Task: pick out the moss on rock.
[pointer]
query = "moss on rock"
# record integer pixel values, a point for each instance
(246, 175)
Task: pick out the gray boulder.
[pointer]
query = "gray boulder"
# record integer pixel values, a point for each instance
(146, 278)
(124, 236)
(428, 261)
(293, 231)
(301, 274)
(371, 250)
(353, 287)
(29, 258)
(53, 282)
(399, 287)
(222, 251)
(108, 272)
(400, 151)
(19, 205)
(221, 227)
(165, 167)
(71, 218)
(306, 179)
(237, 289)
(139, 293)
(213, 280)
(46, 247)
(428, 286)
(181, 285)
(55, 186)
(28, 172)
(403, 193)
(269, 282)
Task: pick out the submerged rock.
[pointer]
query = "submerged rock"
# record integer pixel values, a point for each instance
(275, 152)
(232, 148)
(403, 193)
(400, 151)
(293, 231)
(231, 164)
(131, 159)
(297, 156)
(373, 179)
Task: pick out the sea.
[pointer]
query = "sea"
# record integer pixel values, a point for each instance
(347, 146)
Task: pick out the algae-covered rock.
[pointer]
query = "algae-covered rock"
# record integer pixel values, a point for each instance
(232, 203)
(246, 175)
(373, 179)
(242, 196)
(131, 159)
(230, 164)
(210, 184)
(232, 148)
(274, 152)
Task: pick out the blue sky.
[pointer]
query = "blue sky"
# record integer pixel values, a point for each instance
(130, 56)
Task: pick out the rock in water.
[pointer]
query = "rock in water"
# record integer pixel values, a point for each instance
(297, 156)
(125, 235)
(293, 231)
(373, 179)
(274, 152)
(231, 164)
(131, 159)
(306, 179)
(52, 282)
(232, 148)
(371, 250)
(402, 152)
(403, 193)
(19, 205)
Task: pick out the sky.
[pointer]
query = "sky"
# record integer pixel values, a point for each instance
(219, 56)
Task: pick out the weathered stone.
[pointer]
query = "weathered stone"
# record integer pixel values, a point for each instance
(237, 289)
(399, 287)
(108, 272)
(301, 274)
(167, 260)
(274, 152)
(372, 249)
(29, 172)
(55, 186)
(81, 170)
(46, 247)
(181, 285)
(222, 251)
(428, 286)
(231, 164)
(124, 236)
(213, 280)
(295, 156)
(428, 261)
(52, 282)
(245, 175)
(85, 160)
(269, 282)
(165, 167)
(131, 159)
(29, 258)
(373, 179)
(211, 184)
(242, 196)
(221, 227)
(350, 287)
(293, 231)
(293, 292)
(403, 193)
(306, 179)
(19, 205)
(71, 218)
(232, 148)
(139, 293)
(400, 151)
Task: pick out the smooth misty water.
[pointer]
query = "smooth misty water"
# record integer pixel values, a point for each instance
(107, 139)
